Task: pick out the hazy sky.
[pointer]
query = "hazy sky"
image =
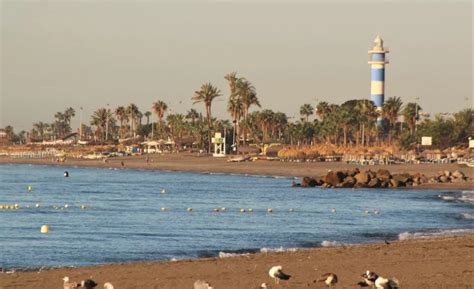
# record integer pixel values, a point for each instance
(90, 53)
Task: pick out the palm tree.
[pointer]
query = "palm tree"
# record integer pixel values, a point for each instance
(232, 79)
(159, 108)
(391, 109)
(147, 114)
(411, 115)
(248, 96)
(235, 108)
(306, 110)
(99, 119)
(41, 128)
(206, 95)
(322, 109)
(192, 115)
(122, 116)
(133, 112)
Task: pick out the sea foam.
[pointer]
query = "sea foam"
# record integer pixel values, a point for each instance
(440, 233)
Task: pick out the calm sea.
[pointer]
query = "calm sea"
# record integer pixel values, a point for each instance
(123, 220)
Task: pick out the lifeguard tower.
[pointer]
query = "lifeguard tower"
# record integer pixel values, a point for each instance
(219, 145)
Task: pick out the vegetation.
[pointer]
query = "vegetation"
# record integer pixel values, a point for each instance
(352, 123)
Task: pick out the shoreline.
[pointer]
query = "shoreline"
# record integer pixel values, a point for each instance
(416, 263)
(209, 165)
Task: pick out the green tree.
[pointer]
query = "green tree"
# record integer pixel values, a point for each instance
(306, 110)
(160, 108)
(411, 113)
(206, 95)
(391, 109)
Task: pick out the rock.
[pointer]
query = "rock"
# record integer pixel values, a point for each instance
(402, 179)
(334, 178)
(308, 182)
(395, 183)
(447, 173)
(362, 178)
(443, 179)
(384, 184)
(295, 184)
(458, 174)
(353, 172)
(373, 183)
(348, 182)
(371, 174)
(383, 174)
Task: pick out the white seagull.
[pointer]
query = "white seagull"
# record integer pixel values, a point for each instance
(376, 281)
(276, 273)
(200, 284)
(330, 279)
(108, 285)
(69, 285)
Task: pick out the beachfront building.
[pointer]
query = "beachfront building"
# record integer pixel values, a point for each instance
(4, 138)
(377, 61)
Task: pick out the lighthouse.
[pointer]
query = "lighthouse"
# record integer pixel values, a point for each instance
(377, 61)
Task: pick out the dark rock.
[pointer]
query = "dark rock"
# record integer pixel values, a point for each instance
(443, 179)
(383, 175)
(384, 184)
(447, 173)
(308, 182)
(334, 178)
(362, 178)
(348, 182)
(402, 179)
(371, 174)
(295, 184)
(373, 183)
(395, 183)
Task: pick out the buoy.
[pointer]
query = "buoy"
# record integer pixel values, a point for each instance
(37, 205)
(45, 229)
(66, 206)
(223, 209)
(30, 188)
(17, 206)
(291, 210)
(189, 209)
(242, 210)
(66, 174)
(333, 210)
(270, 210)
(366, 211)
(163, 209)
(83, 207)
(1, 207)
(216, 210)
(376, 212)
(250, 210)
(163, 191)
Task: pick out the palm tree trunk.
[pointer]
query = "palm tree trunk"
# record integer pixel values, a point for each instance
(208, 112)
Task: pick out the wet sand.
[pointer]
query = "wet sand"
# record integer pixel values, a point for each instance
(206, 164)
(425, 263)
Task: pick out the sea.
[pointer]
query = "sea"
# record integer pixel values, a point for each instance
(99, 216)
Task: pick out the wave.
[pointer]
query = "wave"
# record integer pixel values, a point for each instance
(229, 255)
(461, 197)
(280, 249)
(468, 216)
(327, 243)
(429, 234)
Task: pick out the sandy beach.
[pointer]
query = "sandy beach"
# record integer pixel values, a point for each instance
(417, 264)
(205, 164)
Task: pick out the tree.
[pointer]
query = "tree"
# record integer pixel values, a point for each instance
(99, 119)
(411, 115)
(206, 95)
(122, 116)
(247, 94)
(192, 115)
(391, 109)
(133, 112)
(322, 110)
(159, 108)
(306, 110)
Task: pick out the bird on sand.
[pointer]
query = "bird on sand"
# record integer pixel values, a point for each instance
(330, 279)
(376, 281)
(201, 284)
(108, 285)
(276, 272)
(263, 286)
(88, 284)
(69, 285)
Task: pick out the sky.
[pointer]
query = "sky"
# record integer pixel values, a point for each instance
(56, 54)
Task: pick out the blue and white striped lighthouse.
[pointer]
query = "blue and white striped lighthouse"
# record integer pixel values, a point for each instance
(377, 61)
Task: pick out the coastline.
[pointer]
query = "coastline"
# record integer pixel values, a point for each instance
(436, 262)
(205, 164)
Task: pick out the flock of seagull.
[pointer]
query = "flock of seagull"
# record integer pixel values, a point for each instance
(369, 279)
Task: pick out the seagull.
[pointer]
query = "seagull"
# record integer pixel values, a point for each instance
(369, 279)
(384, 283)
(69, 285)
(276, 273)
(108, 286)
(270, 210)
(200, 284)
(263, 286)
(333, 210)
(330, 279)
(88, 284)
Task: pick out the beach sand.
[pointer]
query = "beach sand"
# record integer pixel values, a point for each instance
(206, 164)
(424, 263)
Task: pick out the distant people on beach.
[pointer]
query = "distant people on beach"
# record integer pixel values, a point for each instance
(122, 163)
